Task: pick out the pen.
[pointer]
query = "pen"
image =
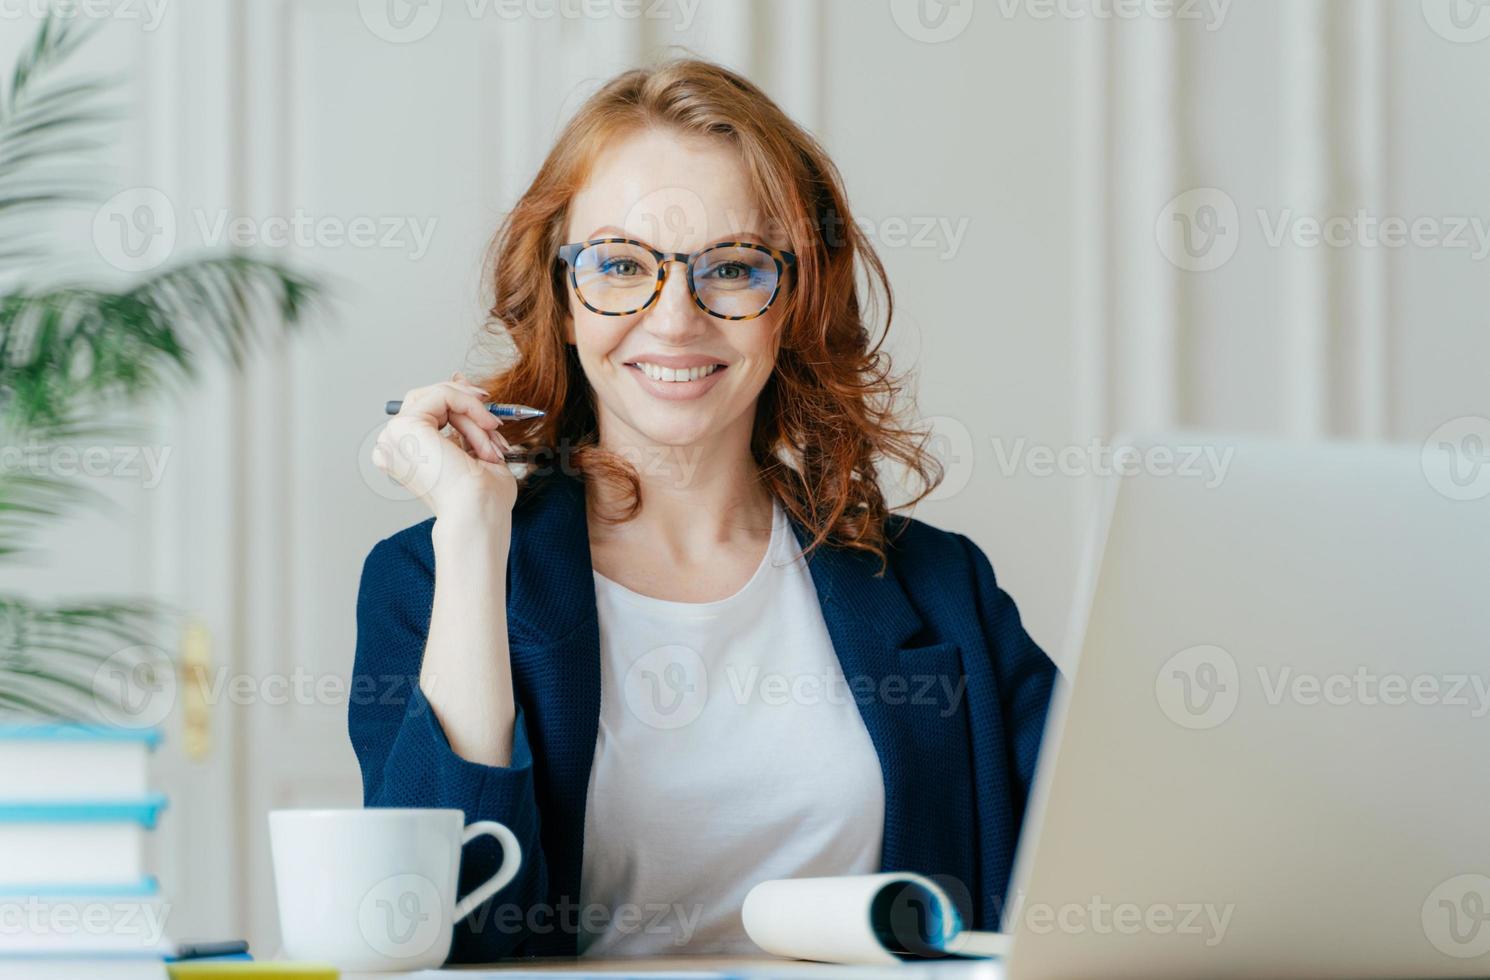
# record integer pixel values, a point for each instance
(226, 949)
(501, 410)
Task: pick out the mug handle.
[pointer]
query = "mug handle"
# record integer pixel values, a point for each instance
(512, 856)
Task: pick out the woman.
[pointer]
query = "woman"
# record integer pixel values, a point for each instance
(720, 660)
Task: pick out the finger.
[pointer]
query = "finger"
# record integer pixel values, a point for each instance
(469, 448)
(437, 405)
(410, 452)
(478, 443)
(432, 403)
(473, 403)
(448, 403)
(498, 446)
(479, 393)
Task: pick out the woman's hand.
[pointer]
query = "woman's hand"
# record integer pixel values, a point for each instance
(457, 474)
(466, 672)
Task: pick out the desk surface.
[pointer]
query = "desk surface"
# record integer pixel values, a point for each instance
(755, 968)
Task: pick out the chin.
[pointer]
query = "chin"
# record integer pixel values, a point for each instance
(675, 425)
(673, 433)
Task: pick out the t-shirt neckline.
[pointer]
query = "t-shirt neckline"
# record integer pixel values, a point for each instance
(778, 530)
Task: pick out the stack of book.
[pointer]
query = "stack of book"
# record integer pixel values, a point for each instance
(75, 898)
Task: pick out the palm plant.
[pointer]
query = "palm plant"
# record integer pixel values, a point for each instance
(70, 349)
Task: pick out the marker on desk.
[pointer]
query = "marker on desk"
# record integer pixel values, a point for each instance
(221, 949)
(501, 410)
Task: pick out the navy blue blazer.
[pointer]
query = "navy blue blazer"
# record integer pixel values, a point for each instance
(957, 766)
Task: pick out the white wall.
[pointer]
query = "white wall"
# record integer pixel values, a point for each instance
(1050, 144)
(974, 133)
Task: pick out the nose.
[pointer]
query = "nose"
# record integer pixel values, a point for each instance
(674, 318)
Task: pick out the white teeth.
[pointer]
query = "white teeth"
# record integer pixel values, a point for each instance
(659, 373)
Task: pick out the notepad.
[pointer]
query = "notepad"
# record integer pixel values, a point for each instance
(876, 919)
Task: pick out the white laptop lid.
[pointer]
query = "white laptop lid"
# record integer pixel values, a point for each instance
(1273, 755)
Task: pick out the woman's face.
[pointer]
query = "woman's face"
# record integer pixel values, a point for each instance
(675, 194)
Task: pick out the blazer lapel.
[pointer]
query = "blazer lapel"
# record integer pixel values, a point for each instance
(909, 693)
(554, 639)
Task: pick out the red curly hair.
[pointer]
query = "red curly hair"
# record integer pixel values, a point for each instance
(827, 415)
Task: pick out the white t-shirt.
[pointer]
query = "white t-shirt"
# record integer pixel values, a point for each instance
(730, 751)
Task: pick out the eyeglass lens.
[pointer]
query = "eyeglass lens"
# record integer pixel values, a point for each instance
(618, 277)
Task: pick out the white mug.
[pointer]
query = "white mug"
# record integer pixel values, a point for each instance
(374, 889)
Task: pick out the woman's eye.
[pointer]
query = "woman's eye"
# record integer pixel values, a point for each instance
(731, 271)
(621, 267)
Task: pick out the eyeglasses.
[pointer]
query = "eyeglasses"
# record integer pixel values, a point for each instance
(730, 280)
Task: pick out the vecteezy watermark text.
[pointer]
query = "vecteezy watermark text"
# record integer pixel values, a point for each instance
(938, 21)
(1095, 458)
(670, 686)
(141, 920)
(1201, 686)
(146, 464)
(1103, 917)
(149, 13)
(1200, 229)
(137, 230)
(406, 21)
(1367, 687)
(1366, 230)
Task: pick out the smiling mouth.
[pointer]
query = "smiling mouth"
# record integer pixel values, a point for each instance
(676, 375)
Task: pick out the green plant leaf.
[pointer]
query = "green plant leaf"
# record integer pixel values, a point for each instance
(50, 654)
(72, 353)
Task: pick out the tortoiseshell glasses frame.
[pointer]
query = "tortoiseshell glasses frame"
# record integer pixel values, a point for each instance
(569, 254)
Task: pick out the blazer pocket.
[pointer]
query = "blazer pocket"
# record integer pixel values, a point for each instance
(935, 704)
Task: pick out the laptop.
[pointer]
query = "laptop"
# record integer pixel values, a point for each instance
(1270, 755)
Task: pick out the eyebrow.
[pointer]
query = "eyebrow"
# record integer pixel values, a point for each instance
(611, 231)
